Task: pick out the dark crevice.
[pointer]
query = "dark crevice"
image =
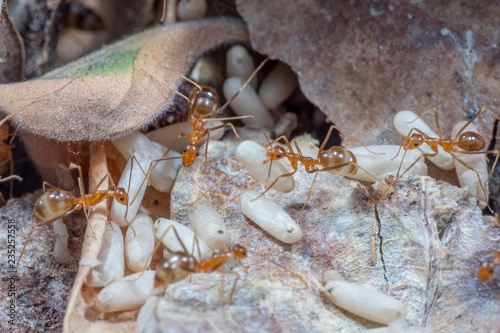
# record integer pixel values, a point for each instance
(381, 241)
(492, 201)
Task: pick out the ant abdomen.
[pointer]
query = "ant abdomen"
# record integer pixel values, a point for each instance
(337, 156)
(53, 203)
(471, 141)
(203, 102)
(175, 267)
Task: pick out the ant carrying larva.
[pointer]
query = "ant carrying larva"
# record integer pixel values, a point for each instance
(336, 160)
(465, 143)
(203, 107)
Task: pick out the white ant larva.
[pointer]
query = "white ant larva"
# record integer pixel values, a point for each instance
(111, 257)
(208, 225)
(270, 217)
(362, 301)
(128, 293)
(139, 245)
(163, 176)
(133, 179)
(383, 164)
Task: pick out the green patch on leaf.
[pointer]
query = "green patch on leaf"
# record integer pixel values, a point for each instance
(117, 63)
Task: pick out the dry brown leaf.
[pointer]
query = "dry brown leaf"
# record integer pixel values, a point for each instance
(362, 61)
(113, 91)
(12, 55)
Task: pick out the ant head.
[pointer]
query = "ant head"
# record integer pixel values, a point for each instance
(471, 141)
(276, 153)
(485, 271)
(189, 154)
(414, 141)
(203, 101)
(121, 195)
(240, 251)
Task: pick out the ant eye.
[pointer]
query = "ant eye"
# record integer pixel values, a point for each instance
(4, 140)
(491, 270)
(185, 149)
(197, 153)
(416, 144)
(278, 155)
(245, 253)
(122, 199)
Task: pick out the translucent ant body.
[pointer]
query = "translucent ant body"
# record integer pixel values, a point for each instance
(464, 143)
(487, 267)
(56, 203)
(178, 265)
(336, 160)
(202, 107)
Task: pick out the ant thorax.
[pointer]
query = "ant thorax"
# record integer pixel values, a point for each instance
(203, 102)
(55, 202)
(336, 156)
(471, 141)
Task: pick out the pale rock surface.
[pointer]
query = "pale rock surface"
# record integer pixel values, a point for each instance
(432, 271)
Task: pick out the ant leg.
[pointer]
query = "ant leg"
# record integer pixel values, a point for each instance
(308, 195)
(485, 191)
(174, 90)
(353, 137)
(275, 181)
(250, 78)
(11, 190)
(234, 284)
(176, 235)
(497, 153)
(436, 119)
(275, 140)
(298, 276)
(82, 193)
(39, 225)
(472, 119)
(299, 152)
(211, 187)
(45, 183)
(325, 140)
(146, 176)
(151, 167)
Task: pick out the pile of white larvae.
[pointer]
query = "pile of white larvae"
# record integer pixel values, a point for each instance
(276, 88)
(135, 250)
